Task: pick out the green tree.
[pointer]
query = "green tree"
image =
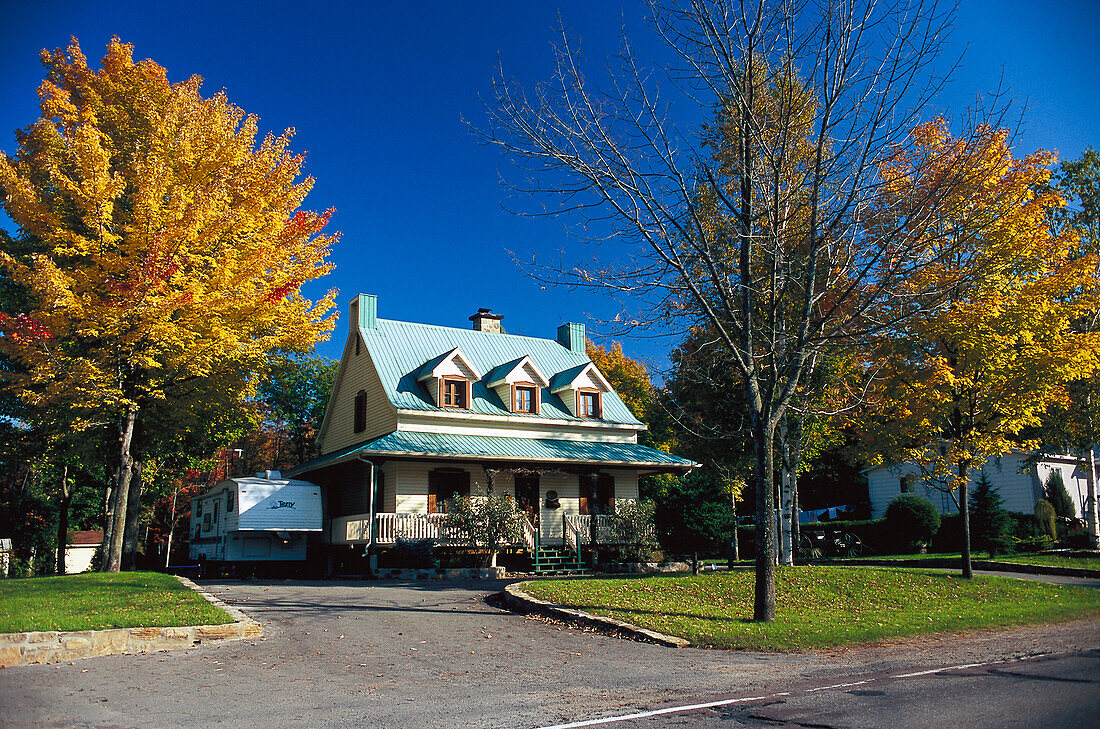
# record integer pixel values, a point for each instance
(914, 519)
(293, 396)
(1054, 491)
(488, 522)
(694, 518)
(989, 522)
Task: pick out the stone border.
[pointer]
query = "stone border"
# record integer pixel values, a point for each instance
(517, 599)
(18, 649)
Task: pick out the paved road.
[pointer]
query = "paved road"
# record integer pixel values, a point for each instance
(434, 655)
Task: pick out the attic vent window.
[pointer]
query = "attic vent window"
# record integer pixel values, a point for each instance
(360, 411)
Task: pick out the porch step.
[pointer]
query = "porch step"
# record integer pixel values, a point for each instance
(548, 560)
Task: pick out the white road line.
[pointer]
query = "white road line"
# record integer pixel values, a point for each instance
(728, 702)
(837, 685)
(658, 712)
(948, 668)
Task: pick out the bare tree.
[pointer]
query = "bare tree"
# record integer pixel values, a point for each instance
(755, 226)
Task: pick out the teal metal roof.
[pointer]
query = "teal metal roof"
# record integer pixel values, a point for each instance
(400, 350)
(491, 447)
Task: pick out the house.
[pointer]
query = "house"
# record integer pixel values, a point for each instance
(420, 414)
(266, 518)
(1018, 477)
(80, 549)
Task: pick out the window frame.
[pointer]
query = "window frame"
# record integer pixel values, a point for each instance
(535, 397)
(597, 403)
(464, 389)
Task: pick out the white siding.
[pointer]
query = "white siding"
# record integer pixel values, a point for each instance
(356, 373)
(1011, 475)
(1074, 476)
(411, 484)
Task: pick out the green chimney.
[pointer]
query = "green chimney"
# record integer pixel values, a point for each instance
(571, 336)
(364, 312)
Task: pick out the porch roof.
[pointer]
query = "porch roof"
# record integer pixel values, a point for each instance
(449, 446)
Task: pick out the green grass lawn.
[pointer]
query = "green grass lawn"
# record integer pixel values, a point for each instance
(1053, 560)
(1050, 560)
(95, 601)
(820, 607)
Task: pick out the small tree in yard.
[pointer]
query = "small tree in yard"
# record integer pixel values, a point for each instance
(694, 517)
(1048, 519)
(914, 519)
(633, 526)
(486, 522)
(1059, 497)
(988, 520)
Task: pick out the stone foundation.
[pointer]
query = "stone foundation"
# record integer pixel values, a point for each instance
(471, 573)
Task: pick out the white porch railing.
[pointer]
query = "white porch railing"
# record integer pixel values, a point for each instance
(530, 536)
(589, 527)
(392, 527)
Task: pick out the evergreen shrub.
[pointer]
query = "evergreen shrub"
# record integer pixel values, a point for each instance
(914, 519)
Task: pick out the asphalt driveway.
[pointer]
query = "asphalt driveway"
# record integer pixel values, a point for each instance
(357, 653)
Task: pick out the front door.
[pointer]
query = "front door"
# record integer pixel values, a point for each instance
(527, 497)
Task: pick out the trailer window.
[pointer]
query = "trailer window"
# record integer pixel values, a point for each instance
(229, 501)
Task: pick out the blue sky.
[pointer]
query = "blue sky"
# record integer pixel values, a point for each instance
(377, 93)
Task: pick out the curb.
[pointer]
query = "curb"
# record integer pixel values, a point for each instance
(519, 600)
(58, 646)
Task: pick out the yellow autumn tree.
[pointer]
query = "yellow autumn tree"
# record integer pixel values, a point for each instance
(629, 377)
(962, 378)
(161, 245)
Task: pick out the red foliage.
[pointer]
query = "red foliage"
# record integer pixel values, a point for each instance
(24, 329)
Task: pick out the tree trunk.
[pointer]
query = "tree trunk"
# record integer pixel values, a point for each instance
(1091, 512)
(764, 591)
(122, 492)
(133, 514)
(694, 563)
(736, 539)
(786, 499)
(63, 520)
(796, 532)
(172, 528)
(964, 512)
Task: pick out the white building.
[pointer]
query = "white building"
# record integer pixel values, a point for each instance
(1018, 478)
(426, 413)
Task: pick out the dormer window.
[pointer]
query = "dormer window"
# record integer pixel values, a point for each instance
(519, 385)
(447, 379)
(581, 389)
(589, 404)
(526, 399)
(456, 393)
